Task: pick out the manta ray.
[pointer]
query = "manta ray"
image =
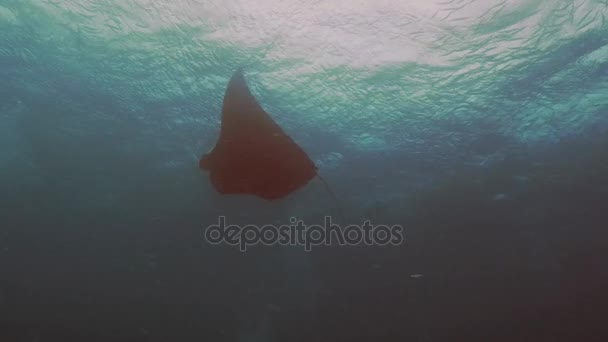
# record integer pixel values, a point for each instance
(253, 155)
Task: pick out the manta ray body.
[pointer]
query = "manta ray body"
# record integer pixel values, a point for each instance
(253, 155)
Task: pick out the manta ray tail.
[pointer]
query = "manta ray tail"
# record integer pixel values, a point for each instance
(334, 197)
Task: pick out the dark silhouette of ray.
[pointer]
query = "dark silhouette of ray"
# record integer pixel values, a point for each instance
(253, 155)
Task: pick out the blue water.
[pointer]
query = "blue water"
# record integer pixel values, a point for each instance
(480, 126)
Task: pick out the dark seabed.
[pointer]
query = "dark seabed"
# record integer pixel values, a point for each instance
(479, 126)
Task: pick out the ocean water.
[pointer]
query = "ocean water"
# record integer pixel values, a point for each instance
(479, 126)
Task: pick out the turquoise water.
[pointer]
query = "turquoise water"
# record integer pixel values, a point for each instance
(479, 125)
